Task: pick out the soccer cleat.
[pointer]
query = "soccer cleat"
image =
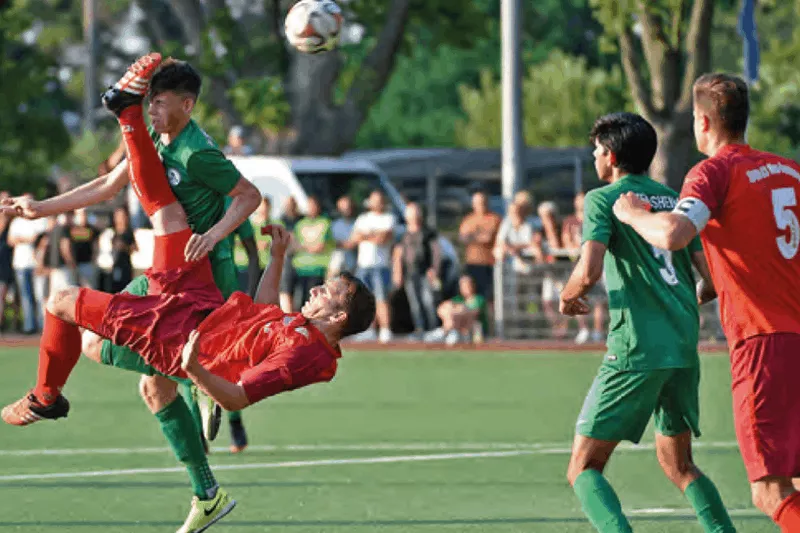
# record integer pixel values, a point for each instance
(210, 414)
(205, 513)
(29, 410)
(238, 436)
(132, 87)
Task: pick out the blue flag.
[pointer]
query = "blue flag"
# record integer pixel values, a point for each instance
(747, 29)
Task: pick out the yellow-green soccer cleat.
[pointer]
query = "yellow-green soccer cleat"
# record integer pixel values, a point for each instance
(205, 513)
(210, 414)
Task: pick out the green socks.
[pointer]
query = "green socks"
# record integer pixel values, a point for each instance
(707, 504)
(183, 435)
(187, 391)
(600, 503)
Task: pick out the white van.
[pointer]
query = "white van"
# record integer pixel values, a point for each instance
(328, 179)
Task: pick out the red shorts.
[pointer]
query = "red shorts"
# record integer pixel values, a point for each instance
(155, 326)
(766, 404)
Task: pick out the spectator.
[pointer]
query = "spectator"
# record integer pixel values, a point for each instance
(552, 282)
(64, 268)
(524, 199)
(6, 272)
(260, 218)
(21, 236)
(41, 273)
(313, 252)
(84, 248)
(515, 240)
(571, 239)
(417, 267)
(374, 233)
(344, 257)
(478, 231)
(289, 219)
(123, 244)
(465, 317)
(245, 254)
(236, 143)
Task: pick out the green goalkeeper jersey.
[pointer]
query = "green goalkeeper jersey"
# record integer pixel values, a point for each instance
(201, 178)
(653, 311)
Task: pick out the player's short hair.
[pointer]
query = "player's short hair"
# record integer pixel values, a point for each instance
(176, 76)
(359, 306)
(726, 97)
(630, 137)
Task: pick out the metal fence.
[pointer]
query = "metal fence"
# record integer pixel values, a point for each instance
(526, 304)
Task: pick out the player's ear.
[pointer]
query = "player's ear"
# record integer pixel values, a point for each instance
(612, 158)
(339, 318)
(706, 123)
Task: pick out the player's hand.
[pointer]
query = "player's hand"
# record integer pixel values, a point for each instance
(281, 238)
(198, 247)
(578, 306)
(628, 204)
(190, 351)
(21, 206)
(705, 292)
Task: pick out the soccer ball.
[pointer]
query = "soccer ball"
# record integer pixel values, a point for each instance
(313, 26)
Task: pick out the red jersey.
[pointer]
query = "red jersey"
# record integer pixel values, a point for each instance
(751, 238)
(263, 348)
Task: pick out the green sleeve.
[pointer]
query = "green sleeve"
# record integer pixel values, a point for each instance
(597, 223)
(212, 168)
(330, 242)
(696, 245)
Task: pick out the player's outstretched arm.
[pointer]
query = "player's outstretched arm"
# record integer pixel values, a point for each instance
(666, 230)
(229, 396)
(588, 271)
(98, 190)
(268, 289)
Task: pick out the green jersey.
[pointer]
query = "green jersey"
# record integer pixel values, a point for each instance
(653, 311)
(313, 231)
(201, 177)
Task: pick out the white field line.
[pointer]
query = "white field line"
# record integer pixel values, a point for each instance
(380, 446)
(667, 511)
(321, 462)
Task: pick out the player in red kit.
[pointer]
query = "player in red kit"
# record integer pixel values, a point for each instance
(744, 204)
(238, 351)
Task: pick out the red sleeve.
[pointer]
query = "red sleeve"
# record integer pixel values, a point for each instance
(708, 182)
(288, 369)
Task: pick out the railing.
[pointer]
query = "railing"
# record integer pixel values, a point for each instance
(521, 309)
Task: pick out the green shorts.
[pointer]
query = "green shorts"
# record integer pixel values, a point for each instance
(619, 403)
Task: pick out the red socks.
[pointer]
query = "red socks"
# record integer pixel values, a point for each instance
(788, 514)
(146, 170)
(59, 351)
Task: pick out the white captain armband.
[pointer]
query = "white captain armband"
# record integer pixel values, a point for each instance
(695, 210)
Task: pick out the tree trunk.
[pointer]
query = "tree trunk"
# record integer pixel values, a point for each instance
(675, 154)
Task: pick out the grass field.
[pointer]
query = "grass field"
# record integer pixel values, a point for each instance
(399, 442)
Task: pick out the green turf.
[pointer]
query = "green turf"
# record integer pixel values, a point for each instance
(466, 403)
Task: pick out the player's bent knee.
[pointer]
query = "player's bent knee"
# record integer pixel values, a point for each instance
(768, 494)
(157, 392)
(92, 346)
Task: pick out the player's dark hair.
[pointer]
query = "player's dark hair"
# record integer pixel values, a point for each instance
(176, 76)
(630, 137)
(359, 306)
(726, 97)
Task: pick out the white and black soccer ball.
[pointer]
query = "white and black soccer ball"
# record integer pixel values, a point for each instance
(314, 26)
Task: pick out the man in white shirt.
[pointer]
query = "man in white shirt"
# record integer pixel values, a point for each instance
(21, 235)
(374, 234)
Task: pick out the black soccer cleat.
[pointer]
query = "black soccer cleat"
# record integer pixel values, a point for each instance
(28, 410)
(132, 87)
